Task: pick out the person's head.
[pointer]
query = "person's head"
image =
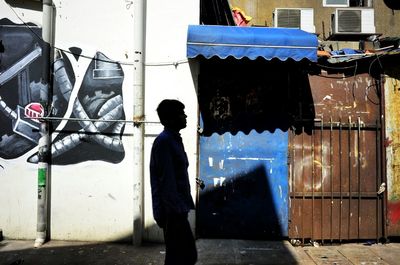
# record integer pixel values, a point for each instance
(171, 113)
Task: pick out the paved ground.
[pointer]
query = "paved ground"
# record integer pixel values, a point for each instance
(211, 252)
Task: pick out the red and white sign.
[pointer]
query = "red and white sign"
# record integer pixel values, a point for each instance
(34, 111)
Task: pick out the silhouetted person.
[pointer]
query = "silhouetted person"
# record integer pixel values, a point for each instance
(170, 186)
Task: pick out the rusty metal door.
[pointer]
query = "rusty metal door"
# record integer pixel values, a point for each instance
(336, 163)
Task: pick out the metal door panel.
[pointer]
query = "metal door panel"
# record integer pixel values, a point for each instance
(336, 165)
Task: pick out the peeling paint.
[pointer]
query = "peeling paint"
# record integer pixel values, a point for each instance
(221, 164)
(251, 158)
(393, 132)
(392, 143)
(219, 181)
(244, 182)
(338, 155)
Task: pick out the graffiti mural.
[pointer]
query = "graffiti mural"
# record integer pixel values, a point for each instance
(20, 87)
(88, 106)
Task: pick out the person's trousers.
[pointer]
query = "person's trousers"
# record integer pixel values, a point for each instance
(180, 246)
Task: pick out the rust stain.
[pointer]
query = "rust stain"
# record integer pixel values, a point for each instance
(335, 157)
(392, 144)
(138, 118)
(344, 98)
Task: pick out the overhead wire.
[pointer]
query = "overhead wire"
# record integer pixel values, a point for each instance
(135, 122)
(178, 62)
(174, 63)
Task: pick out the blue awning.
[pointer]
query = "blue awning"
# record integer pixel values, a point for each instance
(251, 42)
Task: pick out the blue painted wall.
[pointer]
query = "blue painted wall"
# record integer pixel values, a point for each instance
(246, 178)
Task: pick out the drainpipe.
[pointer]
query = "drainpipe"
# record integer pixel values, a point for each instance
(44, 141)
(138, 117)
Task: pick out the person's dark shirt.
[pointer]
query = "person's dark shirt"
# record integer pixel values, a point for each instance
(169, 177)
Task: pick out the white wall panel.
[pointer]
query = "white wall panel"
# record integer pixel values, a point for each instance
(93, 199)
(166, 33)
(18, 179)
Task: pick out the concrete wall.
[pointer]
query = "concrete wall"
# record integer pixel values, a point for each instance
(392, 143)
(91, 174)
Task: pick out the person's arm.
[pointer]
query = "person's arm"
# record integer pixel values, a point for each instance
(167, 174)
(155, 182)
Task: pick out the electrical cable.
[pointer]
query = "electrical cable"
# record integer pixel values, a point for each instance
(176, 63)
(336, 68)
(380, 64)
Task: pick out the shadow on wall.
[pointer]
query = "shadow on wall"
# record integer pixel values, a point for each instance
(244, 95)
(31, 5)
(242, 207)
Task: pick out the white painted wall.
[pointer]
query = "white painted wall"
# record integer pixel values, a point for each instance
(93, 200)
(166, 33)
(18, 179)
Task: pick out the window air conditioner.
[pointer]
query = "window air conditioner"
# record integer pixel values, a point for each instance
(353, 21)
(301, 18)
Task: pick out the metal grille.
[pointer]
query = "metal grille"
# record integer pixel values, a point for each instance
(288, 18)
(337, 2)
(349, 20)
(336, 166)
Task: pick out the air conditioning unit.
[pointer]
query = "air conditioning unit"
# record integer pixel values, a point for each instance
(353, 21)
(301, 18)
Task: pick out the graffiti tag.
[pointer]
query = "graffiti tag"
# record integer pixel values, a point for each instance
(128, 4)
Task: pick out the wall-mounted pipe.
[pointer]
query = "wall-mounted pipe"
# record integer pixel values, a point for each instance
(44, 141)
(138, 114)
